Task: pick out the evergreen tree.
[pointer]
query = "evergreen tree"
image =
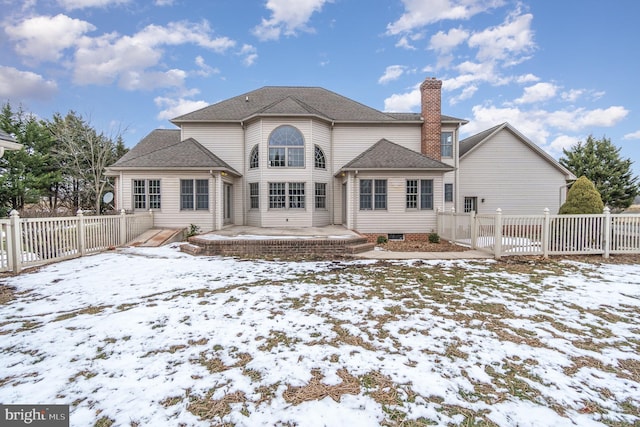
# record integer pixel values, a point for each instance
(583, 198)
(29, 173)
(599, 160)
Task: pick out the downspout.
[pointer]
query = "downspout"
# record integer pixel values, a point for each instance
(244, 174)
(332, 213)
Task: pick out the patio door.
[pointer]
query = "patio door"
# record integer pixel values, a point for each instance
(227, 202)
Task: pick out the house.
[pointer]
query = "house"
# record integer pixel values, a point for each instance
(309, 157)
(7, 142)
(501, 168)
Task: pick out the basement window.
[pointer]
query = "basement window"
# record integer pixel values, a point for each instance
(398, 237)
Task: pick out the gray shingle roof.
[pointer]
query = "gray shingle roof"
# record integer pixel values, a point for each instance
(302, 100)
(386, 155)
(164, 152)
(468, 143)
(290, 100)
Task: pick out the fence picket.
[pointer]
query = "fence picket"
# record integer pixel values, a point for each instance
(546, 234)
(33, 241)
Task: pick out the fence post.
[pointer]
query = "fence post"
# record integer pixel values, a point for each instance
(546, 232)
(81, 231)
(606, 232)
(473, 230)
(497, 243)
(454, 224)
(123, 227)
(14, 241)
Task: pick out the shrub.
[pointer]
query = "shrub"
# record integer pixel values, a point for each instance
(434, 238)
(583, 198)
(193, 230)
(381, 240)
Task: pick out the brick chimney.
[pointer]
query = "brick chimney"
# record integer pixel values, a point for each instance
(431, 93)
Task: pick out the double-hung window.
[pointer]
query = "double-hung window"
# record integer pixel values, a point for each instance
(254, 195)
(446, 144)
(321, 195)
(146, 194)
(289, 195)
(286, 148)
(448, 192)
(373, 194)
(419, 194)
(194, 194)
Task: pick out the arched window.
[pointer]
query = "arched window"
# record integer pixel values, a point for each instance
(321, 161)
(286, 147)
(254, 158)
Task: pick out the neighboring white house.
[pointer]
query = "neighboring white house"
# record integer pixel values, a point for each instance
(306, 156)
(7, 142)
(501, 168)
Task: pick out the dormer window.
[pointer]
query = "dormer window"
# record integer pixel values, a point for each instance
(286, 148)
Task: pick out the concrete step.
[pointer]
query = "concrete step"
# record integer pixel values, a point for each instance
(360, 248)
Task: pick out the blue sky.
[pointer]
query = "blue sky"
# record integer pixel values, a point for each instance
(557, 71)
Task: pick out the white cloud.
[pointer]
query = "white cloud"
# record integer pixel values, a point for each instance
(83, 4)
(403, 102)
(562, 142)
(104, 59)
(164, 2)
(250, 54)
(393, 72)
(404, 43)
(537, 93)
(16, 84)
(445, 42)
(466, 93)
(172, 108)
(572, 95)
(205, 70)
(419, 13)
(288, 17)
(134, 80)
(632, 135)
(509, 42)
(527, 78)
(44, 38)
(538, 124)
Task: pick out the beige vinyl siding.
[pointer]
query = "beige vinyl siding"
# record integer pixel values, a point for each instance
(509, 175)
(224, 140)
(170, 214)
(397, 218)
(322, 138)
(351, 140)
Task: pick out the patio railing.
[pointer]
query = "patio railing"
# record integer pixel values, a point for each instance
(545, 234)
(28, 242)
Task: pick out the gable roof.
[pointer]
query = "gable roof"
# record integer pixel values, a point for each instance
(296, 101)
(472, 143)
(386, 155)
(162, 149)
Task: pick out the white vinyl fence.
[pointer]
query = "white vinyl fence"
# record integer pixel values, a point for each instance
(29, 242)
(545, 234)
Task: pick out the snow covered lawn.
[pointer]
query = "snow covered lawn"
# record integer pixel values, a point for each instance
(156, 337)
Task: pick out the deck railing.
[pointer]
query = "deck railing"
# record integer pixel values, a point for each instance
(545, 234)
(29, 242)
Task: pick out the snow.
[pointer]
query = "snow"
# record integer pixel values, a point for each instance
(118, 334)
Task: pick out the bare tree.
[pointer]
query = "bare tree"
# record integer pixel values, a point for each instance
(84, 154)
